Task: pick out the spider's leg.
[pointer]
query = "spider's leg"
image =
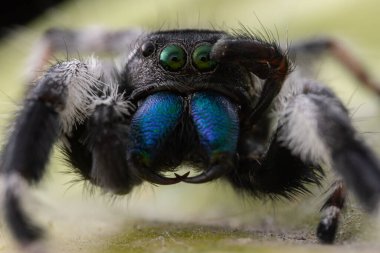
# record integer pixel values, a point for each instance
(27, 151)
(315, 126)
(81, 41)
(331, 211)
(56, 103)
(311, 49)
(271, 171)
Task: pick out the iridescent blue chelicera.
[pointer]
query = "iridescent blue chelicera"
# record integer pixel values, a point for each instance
(154, 120)
(216, 120)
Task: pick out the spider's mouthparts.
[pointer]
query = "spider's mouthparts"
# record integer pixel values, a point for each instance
(207, 176)
(216, 121)
(156, 178)
(220, 165)
(138, 166)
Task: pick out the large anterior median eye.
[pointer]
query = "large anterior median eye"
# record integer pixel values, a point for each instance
(173, 58)
(201, 58)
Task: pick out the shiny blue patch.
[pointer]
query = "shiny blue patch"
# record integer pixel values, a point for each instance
(216, 120)
(153, 121)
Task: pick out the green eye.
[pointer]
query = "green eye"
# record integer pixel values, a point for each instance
(201, 58)
(173, 58)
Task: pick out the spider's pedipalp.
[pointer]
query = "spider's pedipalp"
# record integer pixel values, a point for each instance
(108, 130)
(264, 59)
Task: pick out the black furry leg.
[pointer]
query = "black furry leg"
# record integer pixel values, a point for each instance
(331, 210)
(276, 173)
(27, 152)
(19, 223)
(315, 125)
(108, 143)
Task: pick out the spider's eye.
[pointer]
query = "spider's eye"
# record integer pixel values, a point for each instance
(201, 58)
(147, 49)
(173, 58)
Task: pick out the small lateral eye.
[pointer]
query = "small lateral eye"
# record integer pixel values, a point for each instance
(201, 58)
(147, 48)
(173, 58)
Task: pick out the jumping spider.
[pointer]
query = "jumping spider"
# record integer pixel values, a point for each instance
(235, 106)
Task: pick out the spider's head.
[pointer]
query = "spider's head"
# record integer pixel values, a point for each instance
(179, 61)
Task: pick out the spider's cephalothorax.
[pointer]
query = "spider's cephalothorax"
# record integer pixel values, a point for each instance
(229, 105)
(192, 100)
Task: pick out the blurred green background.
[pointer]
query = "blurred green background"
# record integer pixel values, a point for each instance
(199, 218)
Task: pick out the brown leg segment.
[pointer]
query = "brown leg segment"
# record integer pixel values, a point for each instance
(342, 54)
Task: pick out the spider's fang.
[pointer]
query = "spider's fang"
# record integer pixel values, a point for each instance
(136, 165)
(182, 177)
(221, 164)
(156, 178)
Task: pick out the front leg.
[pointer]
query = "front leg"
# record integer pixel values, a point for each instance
(58, 101)
(27, 151)
(315, 126)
